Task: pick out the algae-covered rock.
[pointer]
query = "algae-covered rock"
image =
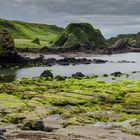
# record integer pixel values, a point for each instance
(80, 33)
(6, 42)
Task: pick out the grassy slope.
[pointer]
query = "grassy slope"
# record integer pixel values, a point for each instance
(131, 38)
(85, 100)
(24, 33)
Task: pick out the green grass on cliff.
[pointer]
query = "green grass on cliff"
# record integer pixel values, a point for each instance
(24, 33)
(85, 100)
(80, 33)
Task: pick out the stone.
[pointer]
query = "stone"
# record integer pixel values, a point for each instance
(47, 74)
(39, 126)
(78, 75)
(27, 126)
(6, 42)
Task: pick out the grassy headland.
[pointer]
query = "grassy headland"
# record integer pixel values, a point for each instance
(24, 33)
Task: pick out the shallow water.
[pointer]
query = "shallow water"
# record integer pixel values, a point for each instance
(90, 69)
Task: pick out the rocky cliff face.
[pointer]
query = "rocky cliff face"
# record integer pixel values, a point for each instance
(6, 42)
(138, 39)
(82, 34)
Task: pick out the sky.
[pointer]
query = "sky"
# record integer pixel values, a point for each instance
(112, 17)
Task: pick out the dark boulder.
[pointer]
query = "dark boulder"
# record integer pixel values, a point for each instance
(2, 135)
(117, 74)
(47, 74)
(59, 78)
(27, 126)
(39, 126)
(6, 42)
(98, 61)
(78, 75)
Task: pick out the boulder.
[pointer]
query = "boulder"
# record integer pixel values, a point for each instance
(117, 74)
(47, 74)
(39, 126)
(138, 39)
(27, 126)
(6, 42)
(2, 135)
(78, 75)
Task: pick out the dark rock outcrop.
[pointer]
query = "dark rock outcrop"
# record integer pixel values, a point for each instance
(138, 39)
(120, 46)
(6, 43)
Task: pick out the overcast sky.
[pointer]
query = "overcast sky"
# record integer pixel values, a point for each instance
(112, 17)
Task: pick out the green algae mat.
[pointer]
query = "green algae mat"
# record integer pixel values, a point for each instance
(78, 101)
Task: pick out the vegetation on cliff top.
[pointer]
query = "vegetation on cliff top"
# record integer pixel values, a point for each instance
(84, 100)
(80, 33)
(24, 33)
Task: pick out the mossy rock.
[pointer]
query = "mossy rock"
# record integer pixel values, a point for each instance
(36, 41)
(6, 42)
(80, 33)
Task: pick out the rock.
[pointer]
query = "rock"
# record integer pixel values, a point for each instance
(39, 125)
(59, 78)
(47, 74)
(119, 46)
(117, 74)
(2, 135)
(6, 42)
(78, 75)
(138, 39)
(27, 126)
(49, 129)
(98, 61)
(36, 41)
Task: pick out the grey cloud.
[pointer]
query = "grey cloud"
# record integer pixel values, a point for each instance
(111, 16)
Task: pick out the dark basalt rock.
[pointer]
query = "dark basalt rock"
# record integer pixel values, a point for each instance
(39, 126)
(78, 75)
(117, 74)
(6, 42)
(47, 74)
(2, 135)
(59, 78)
(98, 61)
(27, 126)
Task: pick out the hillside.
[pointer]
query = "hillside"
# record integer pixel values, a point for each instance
(24, 33)
(80, 34)
(130, 38)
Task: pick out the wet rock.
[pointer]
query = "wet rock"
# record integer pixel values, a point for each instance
(39, 126)
(117, 74)
(6, 42)
(2, 135)
(47, 74)
(49, 129)
(78, 75)
(98, 61)
(59, 78)
(27, 126)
